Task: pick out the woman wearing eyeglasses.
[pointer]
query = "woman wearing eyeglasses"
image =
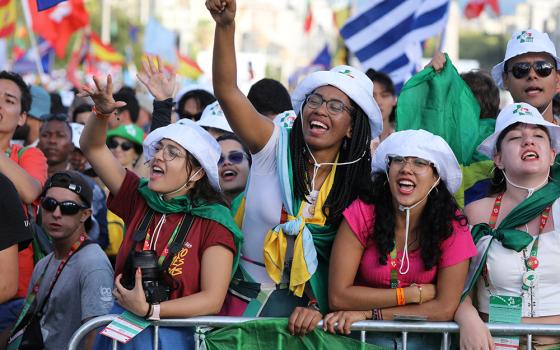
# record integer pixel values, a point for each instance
(403, 247)
(301, 180)
(125, 142)
(234, 165)
(177, 218)
(516, 233)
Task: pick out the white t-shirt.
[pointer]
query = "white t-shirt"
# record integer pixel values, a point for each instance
(506, 268)
(263, 209)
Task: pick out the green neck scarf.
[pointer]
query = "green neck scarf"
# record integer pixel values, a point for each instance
(183, 204)
(506, 232)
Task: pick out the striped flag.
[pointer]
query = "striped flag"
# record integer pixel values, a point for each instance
(188, 68)
(104, 52)
(387, 35)
(7, 17)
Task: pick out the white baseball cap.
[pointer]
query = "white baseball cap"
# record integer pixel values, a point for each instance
(421, 144)
(530, 40)
(213, 117)
(354, 83)
(195, 140)
(518, 113)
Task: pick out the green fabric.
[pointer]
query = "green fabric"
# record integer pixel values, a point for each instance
(130, 132)
(443, 104)
(273, 334)
(183, 204)
(323, 238)
(236, 202)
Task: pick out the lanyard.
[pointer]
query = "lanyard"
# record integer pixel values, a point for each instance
(166, 249)
(531, 262)
(394, 271)
(33, 294)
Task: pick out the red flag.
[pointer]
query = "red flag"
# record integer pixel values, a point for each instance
(57, 24)
(474, 8)
(308, 21)
(7, 17)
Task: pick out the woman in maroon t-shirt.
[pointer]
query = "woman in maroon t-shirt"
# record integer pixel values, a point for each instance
(183, 180)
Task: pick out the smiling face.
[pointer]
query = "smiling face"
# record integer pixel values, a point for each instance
(322, 129)
(533, 89)
(525, 151)
(410, 180)
(10, 107)
(233, 176)
(171, 168)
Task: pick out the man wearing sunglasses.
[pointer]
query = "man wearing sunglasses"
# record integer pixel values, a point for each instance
(85, 281)
(529, 71)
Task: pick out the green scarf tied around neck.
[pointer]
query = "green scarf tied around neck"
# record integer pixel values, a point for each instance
(183, 204)
(506, 232)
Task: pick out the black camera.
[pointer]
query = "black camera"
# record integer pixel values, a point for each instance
(155, 288)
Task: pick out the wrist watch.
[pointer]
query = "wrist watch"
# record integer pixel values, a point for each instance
(155, 313)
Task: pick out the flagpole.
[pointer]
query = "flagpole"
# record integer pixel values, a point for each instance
(32, 39)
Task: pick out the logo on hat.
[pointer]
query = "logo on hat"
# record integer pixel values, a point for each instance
(130, 129)
(216, 110)
(347, 72)
(525, 37)
(519, 109)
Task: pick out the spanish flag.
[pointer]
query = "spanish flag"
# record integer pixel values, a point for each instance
(188, 68)
(104, 52)
(7, 17)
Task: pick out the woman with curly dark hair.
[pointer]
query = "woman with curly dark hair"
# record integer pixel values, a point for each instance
(403, 247)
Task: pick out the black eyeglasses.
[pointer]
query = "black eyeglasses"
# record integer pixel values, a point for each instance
(521, 70)
(66, 207)
(125, 146)
(234, 157)
(334, 107)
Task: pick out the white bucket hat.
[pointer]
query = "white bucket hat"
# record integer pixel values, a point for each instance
(421, 144)
(195, 140)
(354, 83)
(213, 117)
(77, 129)
(530, 40)
(518, 113)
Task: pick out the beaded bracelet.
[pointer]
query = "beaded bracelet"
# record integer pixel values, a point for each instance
(99, 114)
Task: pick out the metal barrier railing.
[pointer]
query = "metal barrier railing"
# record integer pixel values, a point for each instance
(403, 327)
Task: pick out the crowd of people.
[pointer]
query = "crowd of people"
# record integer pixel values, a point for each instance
(306, 205)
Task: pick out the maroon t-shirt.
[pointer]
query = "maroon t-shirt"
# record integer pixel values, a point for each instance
(185, 266)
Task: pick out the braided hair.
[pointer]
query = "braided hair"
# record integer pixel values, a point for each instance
(343, 191)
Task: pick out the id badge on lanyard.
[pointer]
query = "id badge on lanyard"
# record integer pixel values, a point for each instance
(505, 309)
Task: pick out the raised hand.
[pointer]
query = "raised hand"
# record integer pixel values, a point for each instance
(223, 11)
(102, 96)
(160, 84)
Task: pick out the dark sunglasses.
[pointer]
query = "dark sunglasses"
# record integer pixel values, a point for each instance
(234, 157)
(125, 146)
(521, 70)
(66, 207)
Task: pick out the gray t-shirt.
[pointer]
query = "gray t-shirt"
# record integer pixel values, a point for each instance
(83, 290)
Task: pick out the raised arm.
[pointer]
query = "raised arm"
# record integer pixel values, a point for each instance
(251, 126)
(92, 141)
(161, 85)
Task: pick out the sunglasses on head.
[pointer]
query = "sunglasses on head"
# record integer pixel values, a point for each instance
(125, 146)
(66, 207)
(521, 70)
(235, 157)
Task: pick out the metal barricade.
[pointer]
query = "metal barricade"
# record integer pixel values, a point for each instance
(403, 327)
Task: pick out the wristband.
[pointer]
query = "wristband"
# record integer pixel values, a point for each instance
(99, 114)
(400, 297)
(376, 314)
(420, 291)
(313, 304)
(150, 310)
(155, 313)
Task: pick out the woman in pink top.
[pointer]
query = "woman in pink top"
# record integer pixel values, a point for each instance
(404, 247)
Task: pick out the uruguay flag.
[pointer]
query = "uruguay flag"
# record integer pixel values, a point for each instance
(387, 35)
